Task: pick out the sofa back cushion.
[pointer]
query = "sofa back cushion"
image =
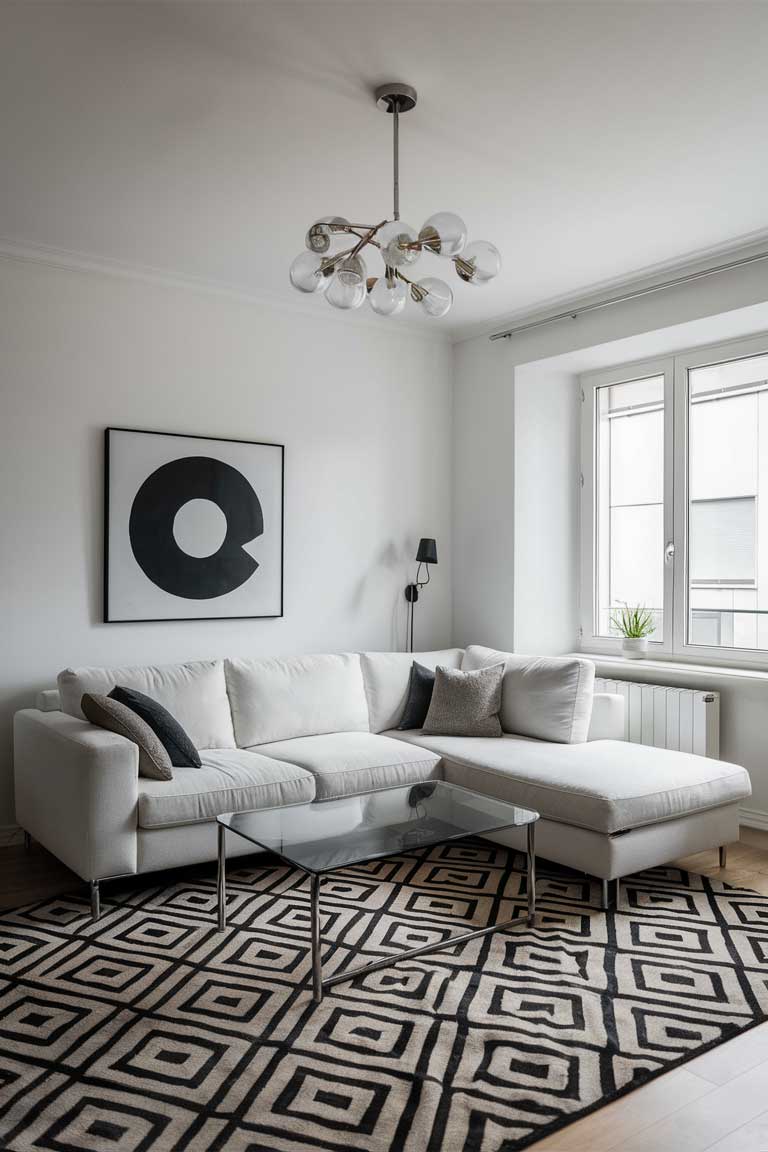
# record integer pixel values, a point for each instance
(195, 693)
(300, 696)
(547, 697)
(386, 676)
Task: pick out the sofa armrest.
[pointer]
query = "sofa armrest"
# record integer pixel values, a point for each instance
(77, 791)
(607, 721)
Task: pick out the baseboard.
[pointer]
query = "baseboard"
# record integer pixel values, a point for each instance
(752, 818)
(11, 834)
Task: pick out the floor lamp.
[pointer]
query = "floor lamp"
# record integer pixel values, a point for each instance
(426, 554)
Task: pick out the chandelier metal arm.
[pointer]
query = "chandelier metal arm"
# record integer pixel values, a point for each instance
(331, 261)
(418, 291)
(352, 227)
(367, 238)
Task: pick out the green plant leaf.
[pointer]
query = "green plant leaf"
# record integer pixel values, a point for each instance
(633, 622)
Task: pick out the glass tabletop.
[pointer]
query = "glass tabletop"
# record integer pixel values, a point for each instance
(331, 834)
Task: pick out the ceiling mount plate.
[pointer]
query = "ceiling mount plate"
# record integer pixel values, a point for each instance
(395, 96)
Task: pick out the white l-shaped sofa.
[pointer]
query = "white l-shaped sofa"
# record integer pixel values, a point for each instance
(274, 732)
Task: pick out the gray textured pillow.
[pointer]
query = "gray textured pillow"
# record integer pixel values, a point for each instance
(154, 761)
(465, 703)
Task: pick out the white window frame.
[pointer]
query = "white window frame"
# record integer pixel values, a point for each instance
(684, 361)
(590, 382)
(675, 370)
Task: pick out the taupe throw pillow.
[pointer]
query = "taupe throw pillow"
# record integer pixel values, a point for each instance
(154, 761)
(465, 703)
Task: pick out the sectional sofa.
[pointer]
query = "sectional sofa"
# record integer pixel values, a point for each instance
(276, 732)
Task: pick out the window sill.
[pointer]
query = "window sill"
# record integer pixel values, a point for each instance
(606, 660)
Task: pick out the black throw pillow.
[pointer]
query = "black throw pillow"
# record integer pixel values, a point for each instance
(420, 686)
(169, 732)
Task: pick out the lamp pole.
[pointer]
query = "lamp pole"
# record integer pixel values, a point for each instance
(426, 554)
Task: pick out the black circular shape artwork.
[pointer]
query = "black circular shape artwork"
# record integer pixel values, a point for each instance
(153, 513)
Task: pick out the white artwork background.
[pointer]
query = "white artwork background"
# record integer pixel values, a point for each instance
(133, 456)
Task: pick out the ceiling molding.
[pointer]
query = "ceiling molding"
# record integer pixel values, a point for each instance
(641, 278)
(63, 259)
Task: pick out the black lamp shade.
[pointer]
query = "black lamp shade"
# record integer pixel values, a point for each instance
(427, 553)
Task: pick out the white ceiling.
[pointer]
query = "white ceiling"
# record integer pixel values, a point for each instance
(587, 140)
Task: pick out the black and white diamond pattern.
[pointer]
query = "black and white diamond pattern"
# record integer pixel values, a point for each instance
(150, 1031)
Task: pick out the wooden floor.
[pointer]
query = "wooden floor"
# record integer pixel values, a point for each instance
(717, 1102)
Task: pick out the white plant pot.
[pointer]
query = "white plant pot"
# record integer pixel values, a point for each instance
(635, 647)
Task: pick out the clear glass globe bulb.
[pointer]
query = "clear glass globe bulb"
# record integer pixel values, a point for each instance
(438, 296)
(479, 262)
(321, 234)
(347, 288)
(388, 299)
(445, 234)
(306, 273)
(393, 237)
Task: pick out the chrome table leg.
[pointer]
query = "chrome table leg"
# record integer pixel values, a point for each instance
(531, 874)
(317, 965)
(320, 986)
(95, 900)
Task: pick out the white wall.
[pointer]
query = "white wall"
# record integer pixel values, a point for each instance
(483, 475)
(365, 416)
(546, 506)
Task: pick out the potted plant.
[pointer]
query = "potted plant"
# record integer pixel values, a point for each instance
(635, 625)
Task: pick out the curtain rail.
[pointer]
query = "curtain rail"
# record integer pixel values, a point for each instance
(573, 313)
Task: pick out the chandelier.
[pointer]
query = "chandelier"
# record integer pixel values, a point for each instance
(332, 263)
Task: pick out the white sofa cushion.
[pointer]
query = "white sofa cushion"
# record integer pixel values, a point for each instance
(607, 721)
(195, 694)
(607, 786)
(345, 763)
(549, 698)
(386, 681)
(298, 696)
(230, 780)
(49, 700)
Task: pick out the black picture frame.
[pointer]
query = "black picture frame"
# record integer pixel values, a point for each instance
(107, 619)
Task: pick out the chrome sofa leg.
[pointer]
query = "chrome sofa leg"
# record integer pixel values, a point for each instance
(605, 894)
(221, 879)
(95, 900)
(723, 855)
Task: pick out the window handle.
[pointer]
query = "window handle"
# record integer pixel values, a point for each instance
(669, 552)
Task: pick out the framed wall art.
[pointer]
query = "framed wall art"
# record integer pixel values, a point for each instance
(193, 527)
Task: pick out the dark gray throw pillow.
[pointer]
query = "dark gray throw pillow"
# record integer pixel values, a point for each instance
(154, 761)
(420, 685)
(466, 703)
(172, 736)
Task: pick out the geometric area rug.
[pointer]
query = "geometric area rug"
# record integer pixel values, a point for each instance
(150, 1031)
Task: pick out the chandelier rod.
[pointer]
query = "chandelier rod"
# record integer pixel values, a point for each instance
(396, 156)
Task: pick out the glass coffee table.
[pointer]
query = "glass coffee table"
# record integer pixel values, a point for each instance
(324, 837)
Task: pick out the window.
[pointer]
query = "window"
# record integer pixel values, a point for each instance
(630, 498)
(674, 456)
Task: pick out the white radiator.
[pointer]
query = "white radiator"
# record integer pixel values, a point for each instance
(682, 718)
